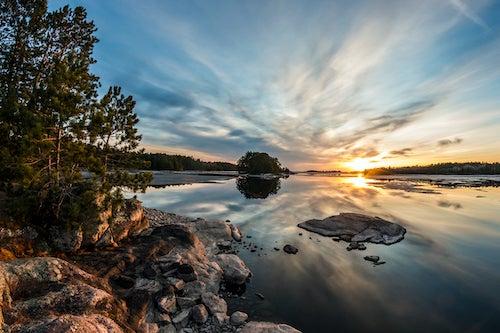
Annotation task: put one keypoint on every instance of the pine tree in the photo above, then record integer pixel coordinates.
(51, 124)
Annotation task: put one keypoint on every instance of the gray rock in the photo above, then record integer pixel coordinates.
(199, 314)
(234, 269)
(361, 228)
(238, 318)
(186, 302)
(236, 233)
(152, 286)
(181, 319)
(187, 273)
(265, 327)
(178, 284)
(220, 318)
(167, 301)
(290, 249)
(63, 240)
(214, 303)
(372, 258)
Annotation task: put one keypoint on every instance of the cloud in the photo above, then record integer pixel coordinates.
(402, 152)
(447, 142)
(465, 10)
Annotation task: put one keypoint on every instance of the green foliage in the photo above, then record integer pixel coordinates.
(51, 124)
(178, 162)
(470, 168)
(257, 163)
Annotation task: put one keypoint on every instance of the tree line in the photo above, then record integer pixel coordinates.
(53, 124)
(160, 161)
(469, 168)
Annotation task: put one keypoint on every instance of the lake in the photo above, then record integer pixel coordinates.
(444, 276)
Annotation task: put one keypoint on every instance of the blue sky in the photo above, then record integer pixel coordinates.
(318, 84)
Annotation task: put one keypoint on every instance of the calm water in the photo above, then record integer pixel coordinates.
(443, 277)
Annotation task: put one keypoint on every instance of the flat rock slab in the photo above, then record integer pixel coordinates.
(359, 227)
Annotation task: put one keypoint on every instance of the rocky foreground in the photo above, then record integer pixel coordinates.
(162, 273)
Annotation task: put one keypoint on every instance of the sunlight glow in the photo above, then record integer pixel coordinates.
(359, 164)
(358, 181)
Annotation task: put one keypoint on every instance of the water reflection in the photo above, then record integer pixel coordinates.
(440, 278)
(258, 188)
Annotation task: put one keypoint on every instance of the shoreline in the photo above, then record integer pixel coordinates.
(167, 277)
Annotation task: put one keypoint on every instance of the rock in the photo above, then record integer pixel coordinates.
(259, 295)
(359, 227)
(265, 327)
(214, 303)
(181, 319)
(166, 301)
(50, 295)
(233, 268)
(236, 233)
(151, 286)
(361, 247)
(194, 289)
(372, 258)
(199, 314)
(290, 249)
(238, 318)
(220, 318)
(93, 323)
(224, 245)
(63, 240)
(187, 273)
(186, 302)
(167, 329)
(129, 220)
(352, 246)
(178, 284)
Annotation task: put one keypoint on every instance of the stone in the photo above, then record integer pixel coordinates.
(361, 247)
(236, 233)
(166, 301)
(194, 289)
(359, 227)
(199, 314)
(259, 295)
(233, 268)
(187, 273)
(178, 284)
(214, 303)
(372, 258)
(151, 286)
(265, 327)
(220, 318)
(186, 302)
(238, 318)
(224, 245)
(352, 246)
(167, 329)
(90, 323)
(66, 241)
(290, 249)
(181, 319)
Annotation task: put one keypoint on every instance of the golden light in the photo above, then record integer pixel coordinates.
(358, 181)
(359, 164)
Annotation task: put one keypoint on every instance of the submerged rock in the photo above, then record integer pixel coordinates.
(357, 228)
(290, 249)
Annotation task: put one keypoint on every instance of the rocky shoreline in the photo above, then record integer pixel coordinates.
(165, 275)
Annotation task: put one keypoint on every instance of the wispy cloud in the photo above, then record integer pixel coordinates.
(323, 82)
(447, 142)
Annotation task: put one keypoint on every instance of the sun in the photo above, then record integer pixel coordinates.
(358, 164)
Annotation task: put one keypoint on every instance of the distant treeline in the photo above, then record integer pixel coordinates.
(179, 163)
(470, 168)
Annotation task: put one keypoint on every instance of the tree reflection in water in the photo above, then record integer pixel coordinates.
(258, 188)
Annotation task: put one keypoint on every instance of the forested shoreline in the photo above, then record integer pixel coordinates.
(161, 161)
(469, 168)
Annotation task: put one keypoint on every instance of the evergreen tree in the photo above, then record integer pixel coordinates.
(51, 125)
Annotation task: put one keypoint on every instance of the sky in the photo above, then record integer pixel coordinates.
(323, 85)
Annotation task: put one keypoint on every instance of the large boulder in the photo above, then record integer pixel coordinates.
(265, 327)
(357, 227)
(234, 269)
(50, 294)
